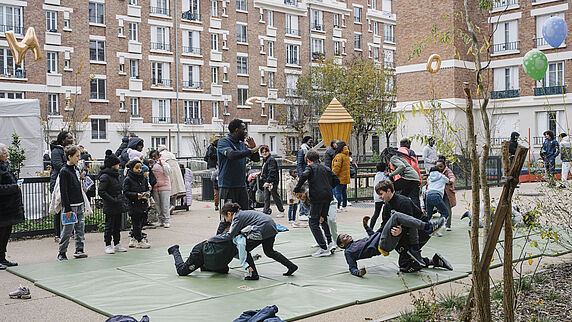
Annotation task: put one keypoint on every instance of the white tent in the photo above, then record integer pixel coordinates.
(22, 116)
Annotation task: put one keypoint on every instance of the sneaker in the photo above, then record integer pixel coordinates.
(119, 249)
(62, 257)
(439, 234)
(316, 245)
(3, 267)
(171, 209)
(332, 247)
(280, 214)
(291, 270)
(109, 249)
(349, 204)
(161, 224)
(166, 225)
(79, 254)
(435, 226)
(448, 229)
(303, 218)
(440, 261)
(416, 256)
(8, 263)
(466, 215)
(216, 208)
(322, 252)
(291, 222)
(132, 243)
(21, 293)
(143, 244)
(171, 249)
(252, 278)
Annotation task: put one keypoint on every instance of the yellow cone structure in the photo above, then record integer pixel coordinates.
(335, 123)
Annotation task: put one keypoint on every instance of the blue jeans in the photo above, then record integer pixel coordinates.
(77, 229)
(292, 212)
(303, 211)
(341, 194)
(434, 200)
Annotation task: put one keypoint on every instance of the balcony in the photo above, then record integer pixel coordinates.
(551, 90)
(17, 29)
(509, 93)
(191, 50)
(293, 3)
(502, 4)
(193, 120)
(538, 140)
(293, 61)
(389, 38)
(16, 73)
(160, 82)
(160, 11)
(389, 65)
(161, 120)
(292, 32)
(507, 46)
(192, 84)
(190, 16)
(499, 141)
(135, 84)
(317, 27)
(318, 56)
(291, 92)
(160, 46)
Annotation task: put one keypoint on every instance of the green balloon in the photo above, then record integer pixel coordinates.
(535, 64)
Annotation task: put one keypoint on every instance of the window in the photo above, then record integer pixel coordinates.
(540, 20)
(160, 38)
(389, 33)
(121, 68)
(241, 34)
(241, 5)
(505, 36)
(133, 2)
(270, 48)
(192, 112)
(214, 75)
(98, 129)
(317, 46)
(272, 143)
(337, 48)
(292, 54)
(376, 53)
(133, 31)
(53, 107)
(292, 25)
(386, 5)
(192, 76)
(225, 75)
(505, 78)
(242, 65)
(12, 95)
(270, 18)
(66, 24)
(121, 32)
(134, 106)
(191, 43)
(214, 42)
(291, 84)
(293, 143)
(376, 28)
(373, 4)
(67, 64)
(52, 60)
(214, 8)
(242, 96)
(97, 13)
(134, 68)
(11, 18)
(97, 89)
(554, 76)
(215, 108)
(161, 111)
(52, 21)
(160, 74)
(158, 140)
(97, 50)
(160, 7)
(357, 41)
(271, 113)
(317, 17)
(357, 14)
(270, 79)
(337, 19)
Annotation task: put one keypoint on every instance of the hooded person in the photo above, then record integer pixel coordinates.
(123, 146)
(57, 162)
(135, 143)
(110, 191)
(330, 154)
(513, 144)
(566, 156)
(176, 177)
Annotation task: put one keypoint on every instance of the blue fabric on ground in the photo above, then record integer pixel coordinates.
(267, 314)
(281, 228)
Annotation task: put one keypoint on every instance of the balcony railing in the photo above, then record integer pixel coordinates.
(191, 50)
(317, 27)
(318, 55)
(389, 38)
(193, 120)
(293, 3)
(189, 15)
(504, 94)
(538, 140)
(294, 32)
(161, 82)
(160, 46)
(504, 3)
(389, 64)
(161, 120)
(17, 30)
(337, 52)
(193, 84)
(293, 61)
(160, 11)
(13, 73)
(551, 90)
(507, 46)
(291, 92)
(337, 25)
(539, 42)
(499, 141)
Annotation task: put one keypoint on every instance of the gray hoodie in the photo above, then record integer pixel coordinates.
(262, 225)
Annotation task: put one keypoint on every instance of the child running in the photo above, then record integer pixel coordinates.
(110, 191)
(291, 182)
(435, 191)
(381, 174)
(321, 180)
(136, 189)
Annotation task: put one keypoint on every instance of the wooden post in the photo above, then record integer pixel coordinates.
(508, 285)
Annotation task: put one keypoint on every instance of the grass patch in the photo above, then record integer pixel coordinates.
(451, 301)
(553, 296)
(411, 316)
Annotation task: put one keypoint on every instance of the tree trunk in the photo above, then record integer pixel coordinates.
(364, 141)
(508, 285)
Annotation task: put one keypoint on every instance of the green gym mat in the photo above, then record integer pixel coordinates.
(144, 282)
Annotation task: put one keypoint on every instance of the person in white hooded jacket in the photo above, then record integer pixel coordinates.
(435, 190)
(566, 155)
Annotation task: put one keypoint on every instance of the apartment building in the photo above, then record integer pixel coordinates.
(518, 103)
(176, 72)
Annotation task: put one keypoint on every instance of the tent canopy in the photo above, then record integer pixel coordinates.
(335, 123)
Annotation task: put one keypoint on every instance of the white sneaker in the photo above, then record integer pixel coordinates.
(291, 222)
(349, 203)
(143, 244)
(167, 225)
(120, 249)
(109, 249)
(322, 253)
(303, 218)
(280, 214)
(439, 234)
(132, 243)
(316, 245)
(332, 247)
(448, 229)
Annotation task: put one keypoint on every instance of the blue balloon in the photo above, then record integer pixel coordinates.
(554, 31)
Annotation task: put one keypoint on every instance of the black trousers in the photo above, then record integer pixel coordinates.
(58, 224)
(137, 221)
(238, 195)
(112, 228)
(277, 200)
(320, 210)
(268, 248)
(408, 188)
(376, 212)
(195, 259)
(4, 236)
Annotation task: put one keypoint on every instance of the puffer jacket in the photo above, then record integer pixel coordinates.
(329, 157)
(290, 185)
(124, 158)
(402, 169)
(550, 149)
(58, 161)
(10, 198)
(133, 184)
(566, 150)
(109, 190)
(270, 171)
(341, 165)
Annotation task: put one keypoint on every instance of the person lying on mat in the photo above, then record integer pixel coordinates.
(206, 256)
(383, 241)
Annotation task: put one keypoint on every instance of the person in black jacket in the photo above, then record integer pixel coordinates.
(211, 159)
(135, 143)
(58, 161)
(330, 154)
(72, 202)
(137, 190)
(122, 146)
(110, 191)
(12, 212)
(270, 176)
(321, 181)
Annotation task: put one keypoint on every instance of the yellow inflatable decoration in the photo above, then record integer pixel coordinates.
(335, 123)
(433, 58)
(19, 49)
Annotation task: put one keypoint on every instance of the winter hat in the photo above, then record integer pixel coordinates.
(110, 159)
(134, 154)
(306, 139)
